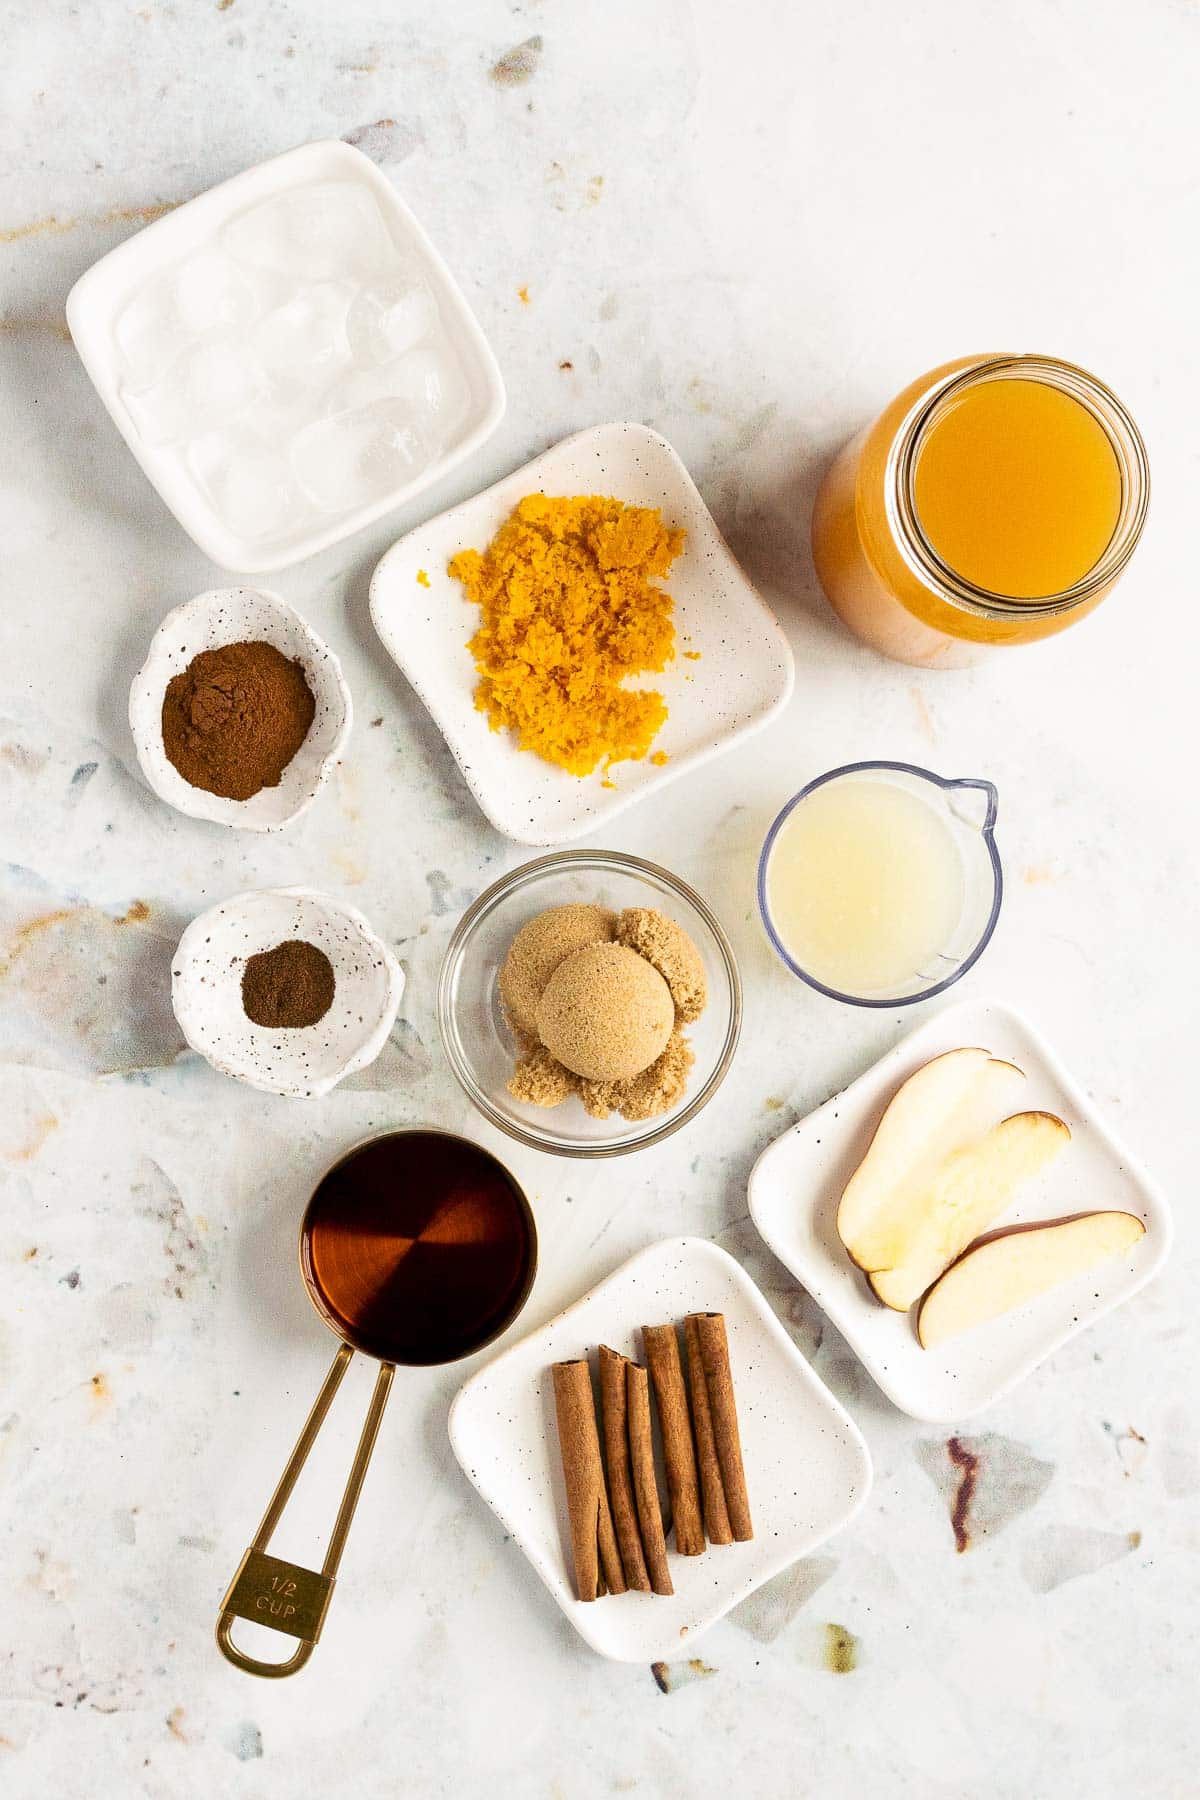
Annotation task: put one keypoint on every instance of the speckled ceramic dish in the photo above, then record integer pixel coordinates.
(230, 616)
(798, 1180)
(743, 676)
(474, 1030)
(206, 991)
(807, 1468)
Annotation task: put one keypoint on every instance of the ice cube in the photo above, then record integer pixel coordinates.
(303, 342)
(352, 458)
(285, 411)
(206, 293)
(212, 293)
(249, 485)
(428, 383)
(148, 330)
(432, 381)
(391, 317)
(325, 230)
(210, 382)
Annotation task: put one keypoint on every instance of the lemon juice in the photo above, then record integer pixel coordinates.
(865, 885)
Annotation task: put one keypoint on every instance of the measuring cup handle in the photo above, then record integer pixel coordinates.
(253, 1665)
(283, 1595)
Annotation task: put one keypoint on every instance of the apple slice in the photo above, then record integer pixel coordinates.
(964, 1196)
(1017, 1265)
(939, 1109)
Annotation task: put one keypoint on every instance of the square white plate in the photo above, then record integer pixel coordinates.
(97, 298)
(807, 1467)
(798, 1180)
(743, 678)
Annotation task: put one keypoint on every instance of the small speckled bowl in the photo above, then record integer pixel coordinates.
(206, 991)
(232, 616)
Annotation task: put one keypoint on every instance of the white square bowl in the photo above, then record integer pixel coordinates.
(742, 679)
(798, 1180)
(97, 298)
(807, 1468)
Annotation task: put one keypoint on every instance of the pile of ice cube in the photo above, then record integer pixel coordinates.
(298, 366)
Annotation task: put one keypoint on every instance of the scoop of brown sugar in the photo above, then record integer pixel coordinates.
(537, 950)
(606, 1013)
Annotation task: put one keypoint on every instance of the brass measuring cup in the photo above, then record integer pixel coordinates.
(397, 1246)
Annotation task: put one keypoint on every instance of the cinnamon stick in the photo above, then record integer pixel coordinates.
(716, 1513)
(712, 1344)
(666, 1372)
(613, 1408)
(645, 1487)
(593, 1541)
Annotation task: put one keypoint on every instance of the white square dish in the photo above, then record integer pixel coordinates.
(798, 1180)
(807, 1468)
(96, 307)
(742, 679)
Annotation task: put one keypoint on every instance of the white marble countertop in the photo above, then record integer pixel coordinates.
(747, 226)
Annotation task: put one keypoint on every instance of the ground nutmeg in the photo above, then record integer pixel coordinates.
(288, 987)
(235, 717)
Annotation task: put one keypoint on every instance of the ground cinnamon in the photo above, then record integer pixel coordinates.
(235, 717)
(288, 987)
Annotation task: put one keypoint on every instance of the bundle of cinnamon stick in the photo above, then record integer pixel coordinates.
(618, 1537)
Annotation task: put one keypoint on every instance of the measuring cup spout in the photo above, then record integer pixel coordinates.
(283, 1595)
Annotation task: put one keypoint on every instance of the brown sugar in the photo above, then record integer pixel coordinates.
(289, 987)
(666, 945)
(536, 951)
(541, 1080)
(235, 717)
(606, 1013)
(656, 1090)
(602, 1018)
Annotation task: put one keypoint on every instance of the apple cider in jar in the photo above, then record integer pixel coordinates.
(995, 501)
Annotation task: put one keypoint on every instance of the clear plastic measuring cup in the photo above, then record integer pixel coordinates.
(880, 884)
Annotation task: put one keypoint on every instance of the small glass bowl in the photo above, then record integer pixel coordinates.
(968, 806)
(471, 1018)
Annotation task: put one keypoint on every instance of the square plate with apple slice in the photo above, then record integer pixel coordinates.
(798, 1181)
(807, 1468)
(731, 675)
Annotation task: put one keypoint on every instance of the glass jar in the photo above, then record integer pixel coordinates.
(878, 560)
